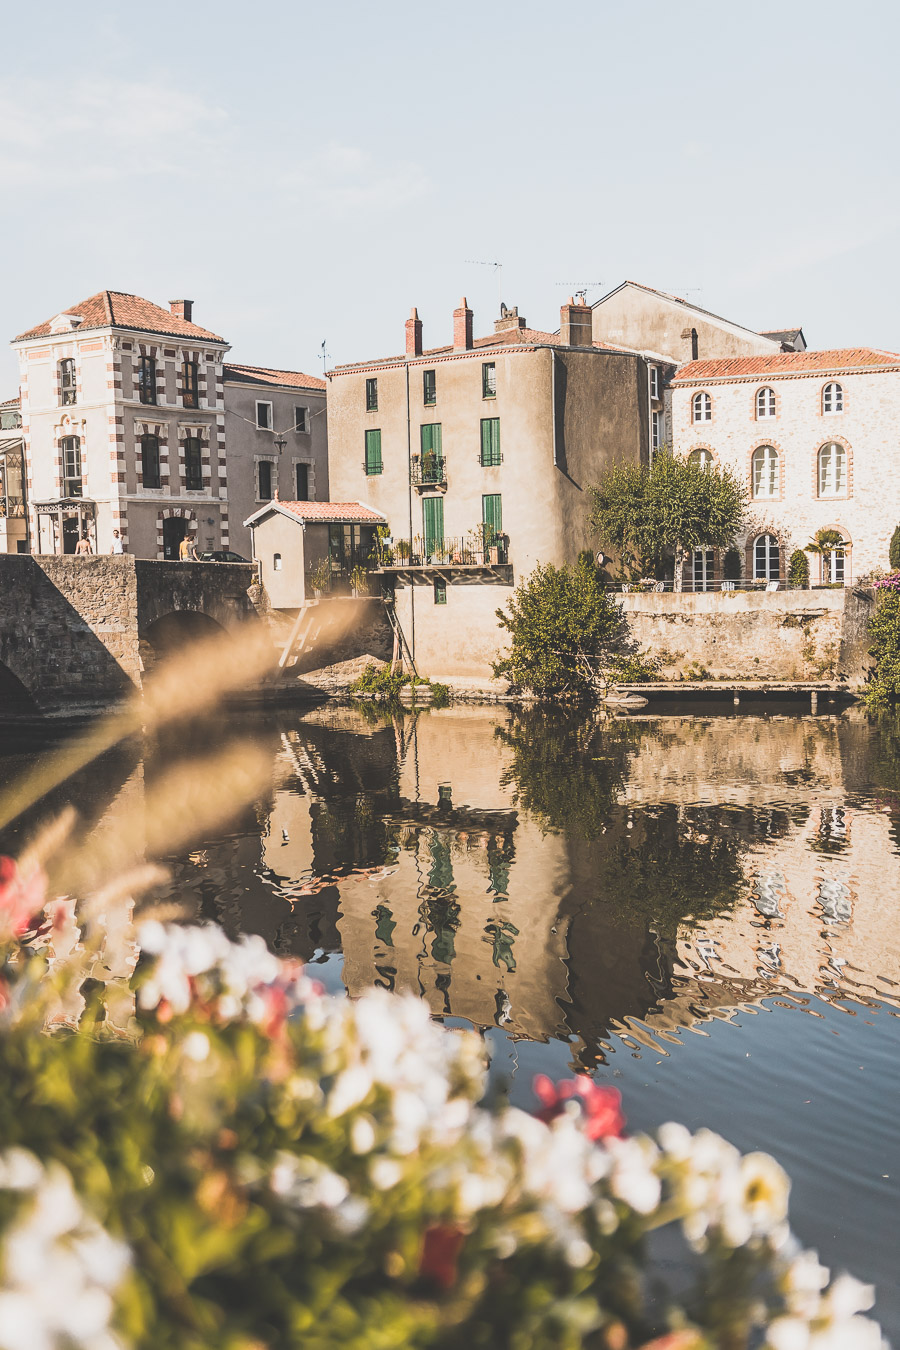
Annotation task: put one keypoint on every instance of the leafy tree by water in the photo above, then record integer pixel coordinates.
(884, 629)
(562, 623)
(650, 513)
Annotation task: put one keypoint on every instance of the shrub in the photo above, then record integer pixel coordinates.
(894, 551)
(247, 1161)
(884, 629)
(732, 567)
(798, 568)
(380, 680)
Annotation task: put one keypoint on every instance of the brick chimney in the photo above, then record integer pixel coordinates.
(182, 309)
(509, 318)
(413, 333)
(575, 324)
(462, 327)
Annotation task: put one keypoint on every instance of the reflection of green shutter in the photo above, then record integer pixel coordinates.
(492, 515)
(373, 452)
(431, 438)
(490, 440)
(433, 515)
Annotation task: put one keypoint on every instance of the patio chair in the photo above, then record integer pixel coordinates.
(772, 585)
(660, 586)
(727, 585)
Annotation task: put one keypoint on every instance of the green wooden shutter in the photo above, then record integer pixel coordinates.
(490, 440)
(373, 452)
(433, 517)
(431, 438)
(492, 515)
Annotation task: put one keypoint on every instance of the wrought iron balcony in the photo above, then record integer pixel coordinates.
(474, 550)
(428, 471)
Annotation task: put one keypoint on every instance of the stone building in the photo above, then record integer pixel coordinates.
(13, 520)
(813, 436)
(479, 453)
(132, 422)
(650, 320)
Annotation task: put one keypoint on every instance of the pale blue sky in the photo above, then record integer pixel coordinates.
(311, 171)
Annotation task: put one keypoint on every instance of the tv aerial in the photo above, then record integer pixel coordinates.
(498, 268)
(579, 289)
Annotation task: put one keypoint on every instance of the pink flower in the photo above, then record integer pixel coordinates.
(601, 1107)
(21, 898)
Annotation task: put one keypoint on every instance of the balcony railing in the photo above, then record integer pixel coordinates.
(471, 551)
(431, 471)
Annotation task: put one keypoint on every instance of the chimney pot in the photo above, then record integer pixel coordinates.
(182, 309)
(413, 333)
(576, 326)
(462, 327)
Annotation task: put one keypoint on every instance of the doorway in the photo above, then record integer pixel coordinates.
(174, 530)
(70, 533)
(704, 569)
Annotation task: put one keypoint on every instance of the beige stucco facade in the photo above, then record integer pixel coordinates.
(652, 321)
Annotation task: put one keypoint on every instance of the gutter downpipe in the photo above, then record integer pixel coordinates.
(553, 401)
(412, 584)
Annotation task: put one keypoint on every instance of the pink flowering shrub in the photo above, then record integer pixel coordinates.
(244, 1162)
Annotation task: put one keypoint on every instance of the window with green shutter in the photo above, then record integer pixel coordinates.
(490, 440)
(429, 386)
(373, 452)
(433, 521)
(492, 516)
(488, 380)
(440, 591)
(430, 435)
(371, 395)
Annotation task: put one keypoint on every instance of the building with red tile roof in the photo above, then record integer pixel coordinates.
(836, 362)
(290, 379)
(118, 309)
(334, 538)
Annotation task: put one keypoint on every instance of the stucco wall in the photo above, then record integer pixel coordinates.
(746, 635)
(649, 322)
(456, 642)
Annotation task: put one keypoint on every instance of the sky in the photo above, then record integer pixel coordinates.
(307, 173)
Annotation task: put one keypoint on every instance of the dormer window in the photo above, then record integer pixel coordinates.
(832, 398)
(65, 323)
(701, 408)
(67, 381)
(765, 403)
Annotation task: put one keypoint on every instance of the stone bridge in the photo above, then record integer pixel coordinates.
(77, 633)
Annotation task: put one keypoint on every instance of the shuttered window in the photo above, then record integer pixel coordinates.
(429, 386)
(490, 440)
(489, 380)
(373, 452)
(431, 438)
(433, 521)
(492, 516)
(371, 395)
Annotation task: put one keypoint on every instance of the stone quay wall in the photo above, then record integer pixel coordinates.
(751, 635)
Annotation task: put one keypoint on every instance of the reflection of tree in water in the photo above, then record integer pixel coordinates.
(350, 834)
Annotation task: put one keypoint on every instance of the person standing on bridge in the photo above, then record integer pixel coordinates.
(83, 546)
(117, 545)
(187, 550)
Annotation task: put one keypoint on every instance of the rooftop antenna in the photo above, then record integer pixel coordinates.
(579, 289)
(324, 356)
(498, 268)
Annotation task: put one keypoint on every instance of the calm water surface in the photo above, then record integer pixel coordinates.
(701, 910)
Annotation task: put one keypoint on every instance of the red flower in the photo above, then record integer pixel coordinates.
(21, 897)
(601, 1107)
(441, 1246)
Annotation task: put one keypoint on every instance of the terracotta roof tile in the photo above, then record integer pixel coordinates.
(10, 402)
(265, 375)
(332, 511)
(509, 337)
(117, 309)
(786, 363)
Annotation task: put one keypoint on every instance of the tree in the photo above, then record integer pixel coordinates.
(798, 568)
(650, 513)
(562, 622)
(824, 542)
(894, 554)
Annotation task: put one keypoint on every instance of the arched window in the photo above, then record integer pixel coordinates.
(765, 471)
(832, 398)
(765, 402)
(70, 446)
(702, 458)
(150, 461)
(832, 470)
(701, 405)
(67, 380)
(766, 558)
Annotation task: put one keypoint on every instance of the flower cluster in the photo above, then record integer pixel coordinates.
(59, 1270)
(889, 583)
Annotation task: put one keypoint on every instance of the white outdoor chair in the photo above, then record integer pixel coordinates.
(660, 586)
(626, 588)
(727, 585)
(772, 585)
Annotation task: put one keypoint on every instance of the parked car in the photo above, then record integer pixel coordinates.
(222, 555)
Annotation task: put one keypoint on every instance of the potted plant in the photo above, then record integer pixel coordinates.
(320, 577)
(359, 581)
(403, 550)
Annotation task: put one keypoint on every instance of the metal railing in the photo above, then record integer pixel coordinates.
(430, 471)
(689, 586)
(473, 550)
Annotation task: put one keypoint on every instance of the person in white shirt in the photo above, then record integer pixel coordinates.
(117, 545)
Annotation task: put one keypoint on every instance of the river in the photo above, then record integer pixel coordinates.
(700, 910)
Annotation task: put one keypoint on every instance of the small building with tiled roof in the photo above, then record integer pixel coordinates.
(306, 547)
(812, 436)
(479, 452)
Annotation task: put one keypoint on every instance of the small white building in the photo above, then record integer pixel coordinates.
(814, 435)
(302, 547)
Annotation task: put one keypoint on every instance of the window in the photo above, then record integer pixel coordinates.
(371, 395)
(655, 430)
(489, 380)
(765, 472)
(193, 469)
(834, 566)
(490, 441)
(832, 470)
(263, 416)
(301, 419)
(373, 452)
(276, 562)
(832, 398)
(433, 524)
(189, 395)
(703, 569)
(150, 461)
(492, 517)
(430, 439)
(702, 458)
(429, 386)
(765, 402)
(264, 480)
(146, 379)
(654, 381)
(71, 466)
(67, 381)
(302, 477)
(701, 408)
(766, 558)
(440, 591)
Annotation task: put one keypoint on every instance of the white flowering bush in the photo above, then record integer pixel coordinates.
(249, 1163)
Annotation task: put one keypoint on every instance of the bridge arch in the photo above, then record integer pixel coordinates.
(16, 698)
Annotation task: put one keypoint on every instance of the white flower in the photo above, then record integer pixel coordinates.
(634, 1179)
(196, 1046)
(362, 1135)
